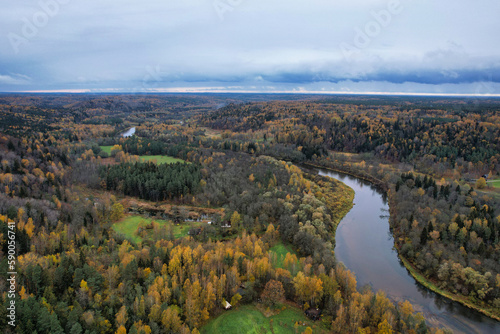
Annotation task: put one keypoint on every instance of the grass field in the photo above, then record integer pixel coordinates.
(128, 226)
(106, 149)
(492, 188)
(248, 319)
(281, 250)
(161, 159)
(494, 183)
(211, 133)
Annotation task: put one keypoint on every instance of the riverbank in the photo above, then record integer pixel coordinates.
(487, 311)
(431, 286)
(129, 133)
(339, 197)
(365, 177)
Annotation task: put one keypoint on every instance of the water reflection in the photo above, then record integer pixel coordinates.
(128, 133)
(365, 245)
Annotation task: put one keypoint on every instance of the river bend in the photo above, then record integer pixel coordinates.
(364, 243)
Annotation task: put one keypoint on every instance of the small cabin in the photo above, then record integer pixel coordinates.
(313, 313)
(227, 306)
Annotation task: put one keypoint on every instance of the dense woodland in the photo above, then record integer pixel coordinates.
(77, 275)
(451, 139)
(447, 230)
(150, 181)
(451, 235)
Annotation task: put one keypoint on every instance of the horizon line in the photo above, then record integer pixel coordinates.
(225, 91)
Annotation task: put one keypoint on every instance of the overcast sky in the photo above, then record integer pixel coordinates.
(408, 46)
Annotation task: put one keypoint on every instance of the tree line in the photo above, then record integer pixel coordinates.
(155, 182)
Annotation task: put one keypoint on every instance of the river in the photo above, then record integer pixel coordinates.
(364, 243)
(128, 133)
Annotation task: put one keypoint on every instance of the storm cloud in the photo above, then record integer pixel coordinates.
(445, 47)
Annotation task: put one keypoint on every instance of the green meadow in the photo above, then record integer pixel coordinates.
(494, 183)
(128, 227)
(106, 149)
(248, 319)
(159, 159)
(281, 250)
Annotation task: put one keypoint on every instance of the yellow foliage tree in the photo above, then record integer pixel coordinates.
(384, 328)
(481, 183)
(121, 330)
(235, 220)
(116, 212)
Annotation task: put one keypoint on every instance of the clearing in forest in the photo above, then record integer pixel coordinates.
(494, 183)
(280, 250)
(130, 225)
(159, 159)
(248, 319)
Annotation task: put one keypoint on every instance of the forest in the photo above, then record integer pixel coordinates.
(395, 133)
(446, 229)
(66, 194)
(150, 181)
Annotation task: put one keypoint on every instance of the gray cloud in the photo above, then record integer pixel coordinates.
(13, 79)
(444, 46)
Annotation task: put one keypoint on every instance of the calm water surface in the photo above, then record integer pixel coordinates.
(129, 132)
(364, 244)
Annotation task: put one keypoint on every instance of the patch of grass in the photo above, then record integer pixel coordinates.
(128, 226)
(494, 184)
(248, 319)
(492, 188)
(161, 159)
(106, 149)
(281, 250)
(211, 133)
(181, 231)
